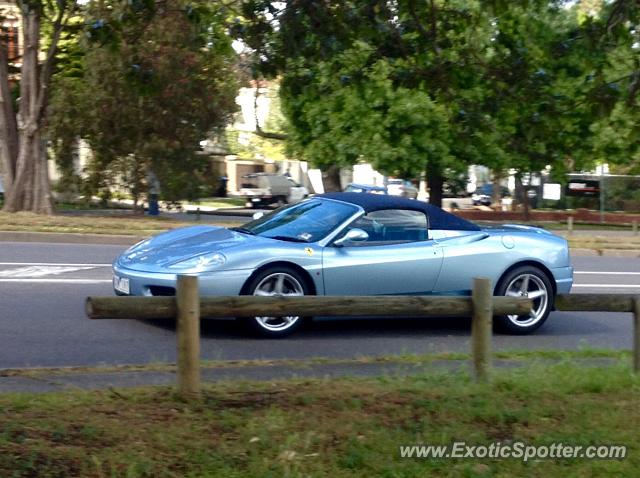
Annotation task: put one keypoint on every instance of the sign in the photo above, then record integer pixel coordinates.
(551, 191)
(583, 187)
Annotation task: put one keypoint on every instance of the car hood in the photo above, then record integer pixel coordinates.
(159, 252)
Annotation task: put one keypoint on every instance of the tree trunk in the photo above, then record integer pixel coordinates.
(23, 150)
(521, 196)
(435, 183)
(496, 192)
(331, 179)
(8, 126)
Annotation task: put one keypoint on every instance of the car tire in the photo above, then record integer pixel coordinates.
(525, 281)
(275, 281)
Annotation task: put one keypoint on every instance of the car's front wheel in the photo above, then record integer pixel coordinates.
(276, 281)
(531, 282)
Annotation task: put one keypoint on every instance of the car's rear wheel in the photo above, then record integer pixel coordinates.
(276, 281)
(531, 282)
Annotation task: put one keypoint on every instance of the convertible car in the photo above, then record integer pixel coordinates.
(353, 244)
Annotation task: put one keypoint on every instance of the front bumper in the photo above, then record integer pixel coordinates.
(210, 283)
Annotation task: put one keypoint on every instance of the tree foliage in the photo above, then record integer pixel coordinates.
(412, 85)
(156, 79)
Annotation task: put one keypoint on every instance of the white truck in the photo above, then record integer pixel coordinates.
(262, 189)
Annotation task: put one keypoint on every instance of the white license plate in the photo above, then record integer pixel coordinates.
(121, 284)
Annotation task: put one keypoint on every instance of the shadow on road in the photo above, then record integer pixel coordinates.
(558, 324)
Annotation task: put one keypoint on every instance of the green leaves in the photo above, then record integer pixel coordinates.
(151, 90)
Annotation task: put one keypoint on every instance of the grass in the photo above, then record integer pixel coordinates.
(601, 242)
(129, 224)
(124, 224)
(325, 427)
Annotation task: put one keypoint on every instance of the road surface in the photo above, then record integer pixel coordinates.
(42, 321)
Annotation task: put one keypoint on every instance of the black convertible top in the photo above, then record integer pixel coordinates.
(438, 219)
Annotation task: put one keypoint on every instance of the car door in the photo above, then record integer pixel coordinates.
(397, 258)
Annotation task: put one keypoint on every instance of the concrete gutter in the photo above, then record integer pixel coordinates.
(68, 238)
(50, 381)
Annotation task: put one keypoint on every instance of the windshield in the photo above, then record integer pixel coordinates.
(308, 221)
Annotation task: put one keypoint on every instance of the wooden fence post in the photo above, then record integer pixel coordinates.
(570, 224)
(636, 334)
(482, 300)
(188, 331)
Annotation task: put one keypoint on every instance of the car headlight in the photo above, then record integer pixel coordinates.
(200, 263)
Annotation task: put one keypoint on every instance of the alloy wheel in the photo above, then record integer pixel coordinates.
(534, 288)
(279, 284)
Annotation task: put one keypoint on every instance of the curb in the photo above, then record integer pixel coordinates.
(225, 212)
(92, 380)
(69, 238)
(124, 240)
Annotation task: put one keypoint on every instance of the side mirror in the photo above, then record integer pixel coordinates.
(352, 235)
(257, 215)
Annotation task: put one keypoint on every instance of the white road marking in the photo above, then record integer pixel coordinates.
(40, 271)
(53, 264)
(608, 273)
(61, 281)
(609, 286)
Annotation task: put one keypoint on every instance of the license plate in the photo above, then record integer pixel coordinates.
(121, 284)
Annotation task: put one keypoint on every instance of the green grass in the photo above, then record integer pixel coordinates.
(325, 427)
(124, 224)
(142, 226)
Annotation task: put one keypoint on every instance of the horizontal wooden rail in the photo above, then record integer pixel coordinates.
(326, 306)
(596, 302)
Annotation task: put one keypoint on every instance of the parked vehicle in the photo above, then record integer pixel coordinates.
(402, 187)
(263, 189)
(365, 188)
(297, 192)
(483, 195)
(353, 244)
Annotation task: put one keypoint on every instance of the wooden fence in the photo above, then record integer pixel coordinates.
(187, 307)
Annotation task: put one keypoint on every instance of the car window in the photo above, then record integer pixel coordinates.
(308, 221)
(391, 226)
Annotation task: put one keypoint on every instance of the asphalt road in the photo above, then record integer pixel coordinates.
(42, 322)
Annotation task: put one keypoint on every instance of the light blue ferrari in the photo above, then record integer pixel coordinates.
(353, 244)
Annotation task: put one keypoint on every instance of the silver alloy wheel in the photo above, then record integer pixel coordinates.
(278, 284)
(533, 287)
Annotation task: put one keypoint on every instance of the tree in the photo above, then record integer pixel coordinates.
(156, 80)
(22, 147)
(436, 85)
(397, 84)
